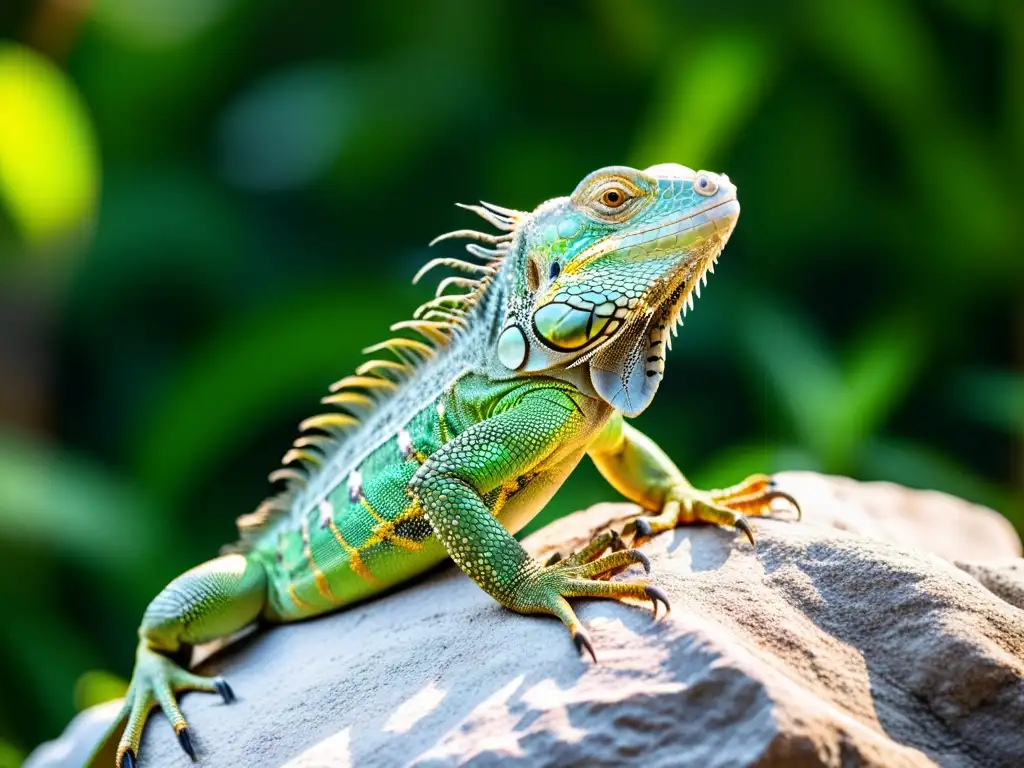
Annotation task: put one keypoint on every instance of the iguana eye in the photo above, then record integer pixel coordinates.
(613, 197)
(555, 270)
(705, 185)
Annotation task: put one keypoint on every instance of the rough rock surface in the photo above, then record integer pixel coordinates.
(853, 638)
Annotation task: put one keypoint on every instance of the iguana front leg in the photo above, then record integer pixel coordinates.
(637, 468)
(450, 487)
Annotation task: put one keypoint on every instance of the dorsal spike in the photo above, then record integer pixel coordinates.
(472, 234)
(272, 504)
(399, 343)
(329, 421)
(510, 213)
(296, 454)
(489, 254)
(356, 399)
(436, 332)
(447, 317)
(496, 220)
(321, 442)
(459, 282)
(364, 382)
(287, 474)
(450, 302)
(254, 519)
(382, 365)
(460, 264)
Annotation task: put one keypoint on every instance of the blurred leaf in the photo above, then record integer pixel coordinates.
(972, 12)
(97, 686)
(919, 466)
(159, 23)
(44, 135)
(45, 655)
(171, 223)
(880, 369)
(886, 51)
(711, 89)
(995, 398)
(9, 756)
(242, 377)
(60, 503)
(806, 382)
(884, 47)
(733, 464)
(833, 411)
(288, 129)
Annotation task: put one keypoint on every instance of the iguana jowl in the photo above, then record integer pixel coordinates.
(558, 332)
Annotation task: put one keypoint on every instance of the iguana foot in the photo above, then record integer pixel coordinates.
(579, 575)
(600, 544)
(726, 506)
(155, 682)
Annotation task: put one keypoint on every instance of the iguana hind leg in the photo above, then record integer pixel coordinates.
(212, 600)
(641, 471)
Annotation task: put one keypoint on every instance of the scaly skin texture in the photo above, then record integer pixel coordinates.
(450, 448)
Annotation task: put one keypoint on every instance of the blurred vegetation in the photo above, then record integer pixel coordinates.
(207, 207)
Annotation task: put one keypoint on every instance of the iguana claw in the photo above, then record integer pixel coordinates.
(656, 594)
(185, 740)
(582, 642)
(225, 691)
(741, 524)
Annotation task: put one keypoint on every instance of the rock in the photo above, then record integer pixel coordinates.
(929, 520)
(841, 641)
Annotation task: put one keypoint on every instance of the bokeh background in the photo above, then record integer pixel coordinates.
(207, 207)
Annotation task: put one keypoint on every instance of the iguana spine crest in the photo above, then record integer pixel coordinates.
(439, 322)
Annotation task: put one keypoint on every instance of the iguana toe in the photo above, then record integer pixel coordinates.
(546, 590)
(731, 506)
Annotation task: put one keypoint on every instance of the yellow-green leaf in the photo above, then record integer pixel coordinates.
(48, 166)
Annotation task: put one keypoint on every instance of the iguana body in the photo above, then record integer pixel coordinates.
(453, 446)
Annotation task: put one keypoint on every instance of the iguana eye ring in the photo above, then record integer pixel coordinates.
(705, 185)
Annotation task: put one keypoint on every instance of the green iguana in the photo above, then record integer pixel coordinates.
(445, 451)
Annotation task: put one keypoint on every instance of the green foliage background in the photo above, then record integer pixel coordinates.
(220, 202)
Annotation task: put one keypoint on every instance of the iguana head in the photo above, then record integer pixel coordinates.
(599, 278)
